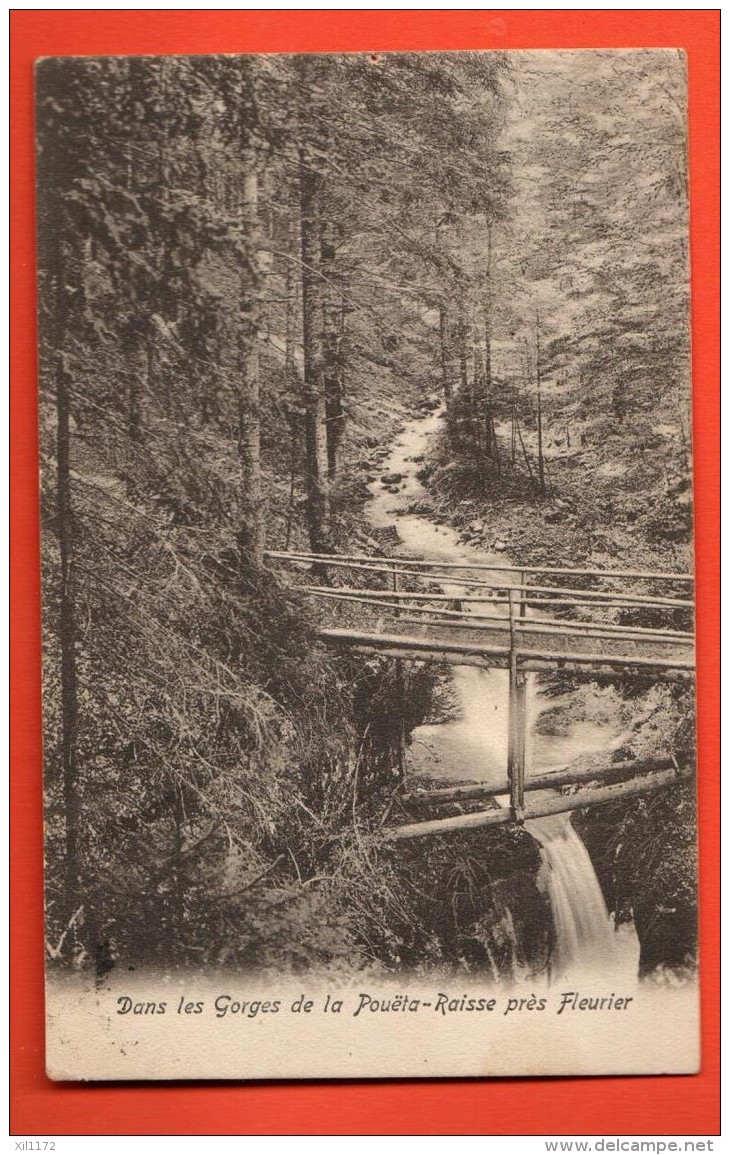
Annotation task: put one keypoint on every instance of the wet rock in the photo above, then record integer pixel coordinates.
(668, 936)
(386, 536)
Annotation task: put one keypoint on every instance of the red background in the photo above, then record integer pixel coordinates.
(649, 1105)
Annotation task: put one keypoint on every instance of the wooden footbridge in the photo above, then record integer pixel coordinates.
(598, 624)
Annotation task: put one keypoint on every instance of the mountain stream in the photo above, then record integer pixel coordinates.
(474, 746)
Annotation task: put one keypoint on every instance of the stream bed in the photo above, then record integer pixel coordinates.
(473, 746)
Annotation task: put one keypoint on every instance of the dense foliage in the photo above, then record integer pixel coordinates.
(227, 325)
(590, 335)
(251, 268)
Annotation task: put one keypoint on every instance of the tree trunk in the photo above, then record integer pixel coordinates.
(58, 261)
(318, 505)
(251, 536)
(540, 458)
(488, 317)
(490, 434)
(292, 310)
(77, 891)
(463, 337)
(332, 349)
(67, 638)
(445, 358)
(479, 425)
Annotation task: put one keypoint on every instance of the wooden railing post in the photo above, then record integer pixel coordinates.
(401, 692)
(523, 594)
(522, 702)
(517, 722)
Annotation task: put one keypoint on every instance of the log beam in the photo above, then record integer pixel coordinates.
(546, 804)
(604, 774)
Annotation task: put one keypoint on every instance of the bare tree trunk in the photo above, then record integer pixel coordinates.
(292, 481)
(488, 316)
(57, 262)
(251, 536)
(332, 349)
(74, 887)
(445, 358)
(291, 321)
(478, 422)
(269, 272)
(318, 505)
(463, 336)
(490, 435)
(138, 340)
(540, 458)
(524, 452)
(292, 309)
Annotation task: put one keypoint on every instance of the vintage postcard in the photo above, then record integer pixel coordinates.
(367, 565)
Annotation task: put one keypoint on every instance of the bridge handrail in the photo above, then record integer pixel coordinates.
(473, 621)
(440, 578)
(389, 563)
(578, 597)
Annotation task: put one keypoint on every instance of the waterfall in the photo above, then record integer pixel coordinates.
(584, 936)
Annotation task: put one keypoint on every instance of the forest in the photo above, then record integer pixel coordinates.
(254, 272)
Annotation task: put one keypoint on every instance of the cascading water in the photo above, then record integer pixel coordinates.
(475, 745)
(584, 936)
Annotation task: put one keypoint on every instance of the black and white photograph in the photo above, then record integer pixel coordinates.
(368, 574)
